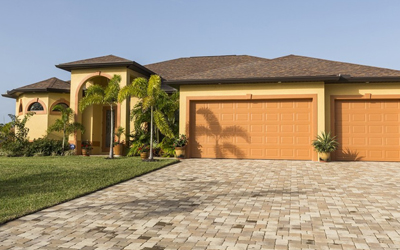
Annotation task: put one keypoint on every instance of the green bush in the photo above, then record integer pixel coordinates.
(45, 147)
(325, 143)
(167, 148)
(14, 148)
(138, 138)
(14, 136)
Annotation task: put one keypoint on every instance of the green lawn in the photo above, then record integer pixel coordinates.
(28, 184)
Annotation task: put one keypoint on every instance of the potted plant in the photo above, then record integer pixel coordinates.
(119, 145)
(325, 144)
(86, 147)
(180, 146)
(144, 151)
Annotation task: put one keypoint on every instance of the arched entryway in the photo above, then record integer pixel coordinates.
(96, 118)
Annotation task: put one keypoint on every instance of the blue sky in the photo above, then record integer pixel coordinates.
(36, 35)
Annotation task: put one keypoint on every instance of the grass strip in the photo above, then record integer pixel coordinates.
(29, 184)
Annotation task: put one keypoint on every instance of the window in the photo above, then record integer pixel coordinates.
(64, 105)
(20, 107)
(61, 102)
(36, 106)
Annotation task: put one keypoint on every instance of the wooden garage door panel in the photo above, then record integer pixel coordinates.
(257, 129)
(368, 130)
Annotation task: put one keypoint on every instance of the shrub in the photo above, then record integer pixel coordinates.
(45, 147)
(14, 136)
(181, 141)
(325, 143)
(167, 148)
(139, 138)
(15, 148)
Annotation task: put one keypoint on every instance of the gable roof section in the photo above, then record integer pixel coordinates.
(49, 85)
(104, 62)
(287, 68)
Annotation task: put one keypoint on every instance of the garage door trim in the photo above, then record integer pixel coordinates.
(367, 96)
(191, 99)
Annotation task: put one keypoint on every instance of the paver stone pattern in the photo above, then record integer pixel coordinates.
(227, 204)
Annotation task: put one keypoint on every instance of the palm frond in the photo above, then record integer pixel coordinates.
(148, 101)
(154, 86)
(138, 88)
(90, 100)
(112, 90)
(74, 127)
(57, 126)
(126, 92)
(162, 124)
(95, 89)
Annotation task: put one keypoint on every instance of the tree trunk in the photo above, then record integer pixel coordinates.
(151, 135)
(63, 142)
(111, 156)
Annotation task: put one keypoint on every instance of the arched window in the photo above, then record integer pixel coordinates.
(63, 104)
(36, 106)
(20, 108)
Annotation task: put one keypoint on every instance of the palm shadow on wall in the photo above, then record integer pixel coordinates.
(349, 155)
(214, 129)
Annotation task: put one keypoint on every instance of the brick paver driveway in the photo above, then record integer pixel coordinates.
(227, 204)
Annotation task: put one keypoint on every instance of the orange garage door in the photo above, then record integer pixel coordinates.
(368, 130)
(257, 129)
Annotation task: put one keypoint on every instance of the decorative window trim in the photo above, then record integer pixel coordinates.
(62, 100)
(20, 107)
(41, 112)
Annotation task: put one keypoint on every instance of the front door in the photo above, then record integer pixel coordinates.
(107, 128)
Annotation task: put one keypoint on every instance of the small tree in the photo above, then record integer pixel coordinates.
(96, 94)
(15, 140)
(148, 91)
(64, 124)
(6, 132)
(20, 131)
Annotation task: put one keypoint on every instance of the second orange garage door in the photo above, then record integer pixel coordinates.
(368, 130)
(256, 129)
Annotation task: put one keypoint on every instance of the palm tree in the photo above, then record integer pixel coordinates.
(64, 124)
(97, 94)
(149, 92)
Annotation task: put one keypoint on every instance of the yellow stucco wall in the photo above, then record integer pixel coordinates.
(311, 88)
(40, 122)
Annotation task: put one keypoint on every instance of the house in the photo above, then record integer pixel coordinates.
(242, 106)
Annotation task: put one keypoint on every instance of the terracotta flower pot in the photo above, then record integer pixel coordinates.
(144, 155)
(325, 156)
(180, 152)
(119, 149)
(85, 152)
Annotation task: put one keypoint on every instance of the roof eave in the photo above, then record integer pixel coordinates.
(253, 80)
(15, 93)
(132, 65)
(326, 79)
(9, 96)
(368, 79)
(68, 67)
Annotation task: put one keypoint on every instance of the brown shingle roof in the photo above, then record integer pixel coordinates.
(290, 66)
(50, 85)
(99, 60)
(105, 61)
(182, 67)
(314, 66)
